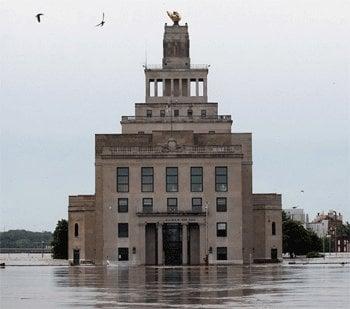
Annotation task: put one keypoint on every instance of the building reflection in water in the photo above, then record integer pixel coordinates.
(158, 286)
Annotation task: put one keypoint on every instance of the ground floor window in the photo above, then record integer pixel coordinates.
(123, 254)
(221, 253)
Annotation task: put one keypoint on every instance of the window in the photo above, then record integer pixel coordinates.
(76, 230)
(193, 87)
(189, 112)
(203, 113)
(162, 113)
(152, 88)
(273, 228)
(147, 205)
(221, 179)
(123, 230)
(172, 204)
(176, 113)
(221, 253)
(159, 87)
(201, 87)
(147, 179)
(196, 179)
(171, 179)
(149, 113)
(221, 204)
(123, 205)
(123, 254)
(221, 229)
(197, 204)
(122, 179)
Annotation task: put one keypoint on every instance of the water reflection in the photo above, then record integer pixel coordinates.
(188, 287)
(139, 286)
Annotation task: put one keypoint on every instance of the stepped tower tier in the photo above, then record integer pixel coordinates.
(176, 93)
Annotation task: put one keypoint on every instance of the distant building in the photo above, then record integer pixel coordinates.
(328, 225)
(297, 214)
(175, 187)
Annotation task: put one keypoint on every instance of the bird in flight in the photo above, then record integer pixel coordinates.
(102, 22)
(38, 16)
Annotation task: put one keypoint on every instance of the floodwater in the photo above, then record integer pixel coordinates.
(266, 286)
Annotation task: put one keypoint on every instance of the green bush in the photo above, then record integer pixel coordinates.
(313, 254)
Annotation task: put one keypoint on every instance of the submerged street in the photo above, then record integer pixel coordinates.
(265, 286)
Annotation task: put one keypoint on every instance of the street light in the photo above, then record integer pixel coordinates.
(206, 235)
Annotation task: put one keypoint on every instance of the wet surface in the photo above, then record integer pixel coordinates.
(278, 286)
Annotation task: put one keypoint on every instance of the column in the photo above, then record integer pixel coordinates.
(141, 249)
(163, 82)
(197, 88)
(202, 241)
(160, 243)
(180, 87)
(184, 244)
(205, 89)
(147, 88)
(155, 88)
(188, 87)
(171, 87)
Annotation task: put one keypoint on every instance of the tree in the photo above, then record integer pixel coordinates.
(24, 239)
(60, 240)
(297, 240)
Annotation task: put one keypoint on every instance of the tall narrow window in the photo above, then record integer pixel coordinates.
(76, 230)
(221, 204)
(221, 229)
(147, 179)
(123, 205)
(171, 179)
(159, 87)
(193, 88)
(273, 228)
(197, 204)
(123, 230)
(221, 179)
(201, 87)
(172, 204)
(149, 113)
(147, 205)
(122, 179)
(203, 113)
(176, 113)
(190, 112)
(151, 88)
(196, 179)
(162, 113)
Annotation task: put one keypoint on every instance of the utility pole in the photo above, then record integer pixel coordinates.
(206, 235)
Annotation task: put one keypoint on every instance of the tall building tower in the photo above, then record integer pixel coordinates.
(175, 187)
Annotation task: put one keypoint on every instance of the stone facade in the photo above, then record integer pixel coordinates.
(175, 187)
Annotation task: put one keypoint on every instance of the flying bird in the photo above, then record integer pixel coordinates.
(302, 191)
(102, 22)
(38, 16)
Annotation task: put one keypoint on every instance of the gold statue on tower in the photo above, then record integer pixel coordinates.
(174, 16)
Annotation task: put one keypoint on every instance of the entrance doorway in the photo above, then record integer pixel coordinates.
(76, 256)
(274, 254)
(172, 244)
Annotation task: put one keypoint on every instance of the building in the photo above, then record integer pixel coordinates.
(175, 187)
(330, 225)
(297, 214)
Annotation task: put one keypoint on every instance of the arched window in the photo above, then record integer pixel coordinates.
(76, 230)
(273, 227)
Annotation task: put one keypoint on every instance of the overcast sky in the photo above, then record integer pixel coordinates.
(281, 68)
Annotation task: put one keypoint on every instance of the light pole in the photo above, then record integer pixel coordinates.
(206, 235)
